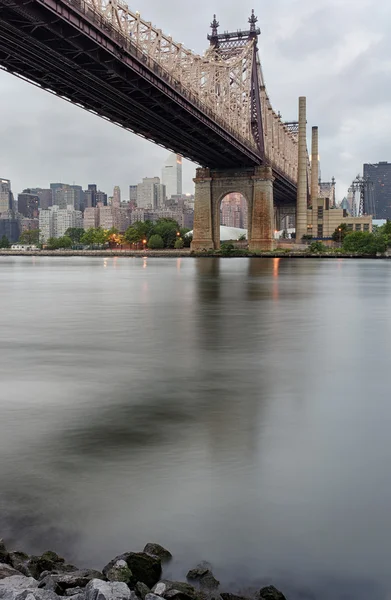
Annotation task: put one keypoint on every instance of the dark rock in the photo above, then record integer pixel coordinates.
(203, 575)
(144, 567)
(119, 572)
(61, 582)
(36, 595)
(151, 596)
(4, 555)
(175, 589)
(48, 561)
(108, 590)
(19, 560)
(141, 590)
(74, 591)
(7, 571)
(232, 597)
(157, 550)
(271, 593)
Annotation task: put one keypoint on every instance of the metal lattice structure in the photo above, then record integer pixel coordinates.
(227, 79)
(213, 109)
(363, 198)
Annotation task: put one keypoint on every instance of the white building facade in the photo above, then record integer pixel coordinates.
(172, 175)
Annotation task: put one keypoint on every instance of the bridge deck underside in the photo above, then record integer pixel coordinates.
(82, 63)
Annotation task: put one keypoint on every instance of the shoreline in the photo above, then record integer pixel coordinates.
(128, 576)
(184, 254)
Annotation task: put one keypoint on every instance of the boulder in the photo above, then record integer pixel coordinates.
(119, 572)
(144, 567)
(175, 589)
(48, 561)
(141, 590)
(61, 582)
(74, 591)
(19, 560)
(7, 571)
(37, 595)
(152, 597)
(157, 550)
(271, 593)
(108, 590)
(11, 587)
(4, 555)
(203, 575)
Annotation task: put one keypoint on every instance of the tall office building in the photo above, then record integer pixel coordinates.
(116, 201)
(5, 195)
(28, 205)
(172, 175)
(150, 193)
(54, 221)
(133, 193)
(380, 175)
(233, 211)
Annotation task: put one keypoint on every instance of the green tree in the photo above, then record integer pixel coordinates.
(100, 236)
(384, 230)
(179, 244)
(364, 242)
(155, 242)
(88, 237)
(139, 231)
(4, 242)
(340, 233)
(75, 233)
(167, 229)
(316, 247)
(242, 237)
(52, 243)
(30, 236)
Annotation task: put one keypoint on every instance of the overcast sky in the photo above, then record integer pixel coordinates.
(335, 52)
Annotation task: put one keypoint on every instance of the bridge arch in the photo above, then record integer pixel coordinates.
(233, 207)
(256, 185)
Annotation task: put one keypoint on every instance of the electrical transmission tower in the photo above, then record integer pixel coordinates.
(363, 197)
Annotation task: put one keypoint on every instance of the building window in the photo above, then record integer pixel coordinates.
(366, 226)
(358, 227)
(320, 231)
(350, 227)
(320, 212)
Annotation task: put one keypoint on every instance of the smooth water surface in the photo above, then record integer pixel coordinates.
(234, 410)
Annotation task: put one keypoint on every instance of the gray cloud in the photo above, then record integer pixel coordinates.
(334, 51)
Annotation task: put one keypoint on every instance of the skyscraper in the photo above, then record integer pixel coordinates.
(28, 204)
(116, 202)
(380, 175)
(150, 193)
(5, 195)
(172, 175)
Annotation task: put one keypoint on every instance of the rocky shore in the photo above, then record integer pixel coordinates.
(129, 576)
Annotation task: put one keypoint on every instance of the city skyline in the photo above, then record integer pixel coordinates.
(41, 129)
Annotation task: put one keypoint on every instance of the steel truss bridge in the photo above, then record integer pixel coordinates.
(212, 109)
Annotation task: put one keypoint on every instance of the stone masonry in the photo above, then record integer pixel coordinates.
(256, 185)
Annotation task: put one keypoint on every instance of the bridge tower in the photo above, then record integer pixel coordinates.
(254, 183)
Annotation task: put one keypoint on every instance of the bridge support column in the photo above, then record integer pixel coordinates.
(203, 214)
(261, 236)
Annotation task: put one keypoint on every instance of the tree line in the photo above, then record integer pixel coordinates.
(165, 233)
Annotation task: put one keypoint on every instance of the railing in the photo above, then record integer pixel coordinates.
(126, 44)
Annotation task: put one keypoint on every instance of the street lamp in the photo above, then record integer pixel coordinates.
(144, 242)
(340, 234)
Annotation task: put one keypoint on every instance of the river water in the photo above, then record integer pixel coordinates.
(234, 410)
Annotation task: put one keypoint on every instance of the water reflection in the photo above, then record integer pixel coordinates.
(204, 404)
